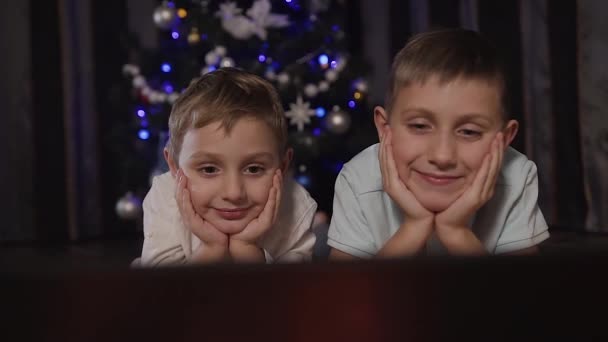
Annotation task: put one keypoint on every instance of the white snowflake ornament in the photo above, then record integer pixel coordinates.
(299, 113)
(228, 10)
(240, 27)
(257, 19)
(262, 18)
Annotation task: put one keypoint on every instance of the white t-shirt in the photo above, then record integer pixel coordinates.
(364, 216)
(168, 242)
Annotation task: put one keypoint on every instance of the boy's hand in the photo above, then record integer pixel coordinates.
(258, 226)
(395, 187)
(243, 246)
(457, 216)
(210, 236)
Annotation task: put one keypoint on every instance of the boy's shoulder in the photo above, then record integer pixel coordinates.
(515, 168)
(162, 189)
(363, 171)
(295, 192)
(164, 182)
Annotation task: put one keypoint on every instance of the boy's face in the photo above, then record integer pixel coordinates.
(230, 176)
(441, 133)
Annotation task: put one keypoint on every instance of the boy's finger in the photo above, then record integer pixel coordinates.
(382, 157)
(179, 186)
(498, 154)
(186, 208)
(391, 169)
(279, 189)
(179, 193)
(481, 176)
(266, 215)
(492, 172)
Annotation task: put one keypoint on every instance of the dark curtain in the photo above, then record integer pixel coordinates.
(16, 130)
(32, 132)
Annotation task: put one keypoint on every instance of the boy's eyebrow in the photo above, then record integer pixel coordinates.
(204, 155)
(210, 155)
(425, 112)
(257, 155)
(474, 116)
(429, 114)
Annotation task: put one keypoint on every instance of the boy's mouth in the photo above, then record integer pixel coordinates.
(437, 179)
(232, 213)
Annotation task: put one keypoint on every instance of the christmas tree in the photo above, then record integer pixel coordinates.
(300, 46)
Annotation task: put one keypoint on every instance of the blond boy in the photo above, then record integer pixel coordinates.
(225, 198)
(443, 179)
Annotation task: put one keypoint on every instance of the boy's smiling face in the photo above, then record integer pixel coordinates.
(230, 174)
(441, 133)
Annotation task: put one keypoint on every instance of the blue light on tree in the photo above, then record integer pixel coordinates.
(320, 112)
(304, 180)
(143, 134)
(323, 59)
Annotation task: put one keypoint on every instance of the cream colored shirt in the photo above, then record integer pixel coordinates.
(168, 242)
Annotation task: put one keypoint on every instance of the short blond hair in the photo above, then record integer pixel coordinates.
(448, 54)
(226, 95)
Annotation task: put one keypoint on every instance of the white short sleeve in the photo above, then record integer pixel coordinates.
(162, 243)
(525, 225)
(349, 231)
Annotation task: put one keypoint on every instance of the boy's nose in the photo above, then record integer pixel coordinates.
(442, 152)
(234, 189)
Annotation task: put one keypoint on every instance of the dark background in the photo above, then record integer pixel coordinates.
(61, 178)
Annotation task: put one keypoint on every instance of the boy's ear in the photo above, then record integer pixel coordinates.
(173, 167)
(510, 131)
(286, 160)
(381, 120)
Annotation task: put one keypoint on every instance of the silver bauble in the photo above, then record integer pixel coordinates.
(164, 16)
(337, 122)
(128, 207)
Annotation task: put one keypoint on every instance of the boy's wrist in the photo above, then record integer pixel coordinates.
(209, 253)
(460, 240)
(244, 251)
(409, 240)
(425, 223)
(420, 227)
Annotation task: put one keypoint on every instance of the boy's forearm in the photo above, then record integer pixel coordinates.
(461, 241)
(244, 252)
(209, 254)
(409, 240)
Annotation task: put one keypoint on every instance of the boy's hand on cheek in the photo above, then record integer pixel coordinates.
(248, 238)
(394, 186)
(210, 236)
(456, 218)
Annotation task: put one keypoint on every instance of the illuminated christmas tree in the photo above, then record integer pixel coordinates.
(300, 46)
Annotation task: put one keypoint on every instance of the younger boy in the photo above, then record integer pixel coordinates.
(442, 179)
(225, 198)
